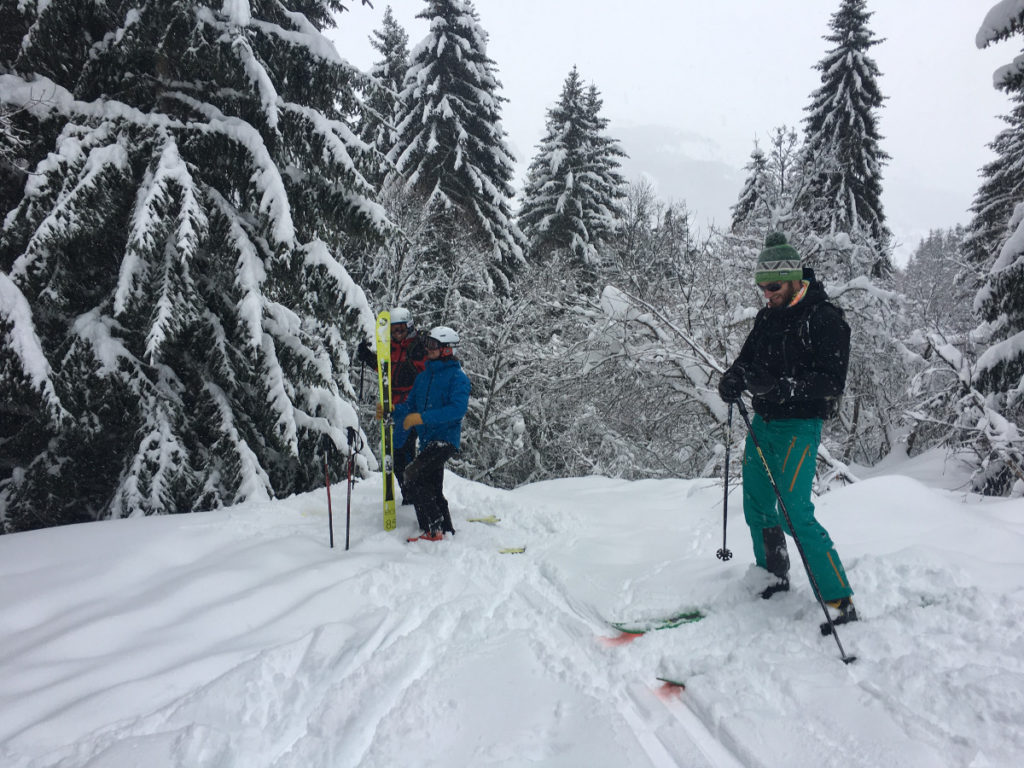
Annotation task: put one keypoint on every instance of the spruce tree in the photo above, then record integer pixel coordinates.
(1002, 187)
(379, 114)
(842, 141)
(168, 273)
(751, 198)
(1000, 368)
(574, 193)
(451, 151)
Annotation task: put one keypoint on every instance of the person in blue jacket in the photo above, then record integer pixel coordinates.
(435, 408)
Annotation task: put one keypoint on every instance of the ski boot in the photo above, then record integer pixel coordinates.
(841, 612)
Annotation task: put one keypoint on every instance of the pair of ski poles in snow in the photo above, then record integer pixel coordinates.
(725, 553)
(328, 445)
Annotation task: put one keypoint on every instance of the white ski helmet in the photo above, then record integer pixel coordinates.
(401, 316)
(444, 336)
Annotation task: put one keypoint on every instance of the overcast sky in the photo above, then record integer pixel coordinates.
(724, 74)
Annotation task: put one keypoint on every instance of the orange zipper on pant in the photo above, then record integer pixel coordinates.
(796, 473)
(833, 564)
(786, 460)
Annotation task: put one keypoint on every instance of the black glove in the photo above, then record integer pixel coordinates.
(762, 384)
(730, 386)
(365, 354)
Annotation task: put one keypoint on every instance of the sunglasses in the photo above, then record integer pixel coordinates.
(434, 344)
(769, 287)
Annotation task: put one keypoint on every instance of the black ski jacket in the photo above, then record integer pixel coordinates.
(806, 349)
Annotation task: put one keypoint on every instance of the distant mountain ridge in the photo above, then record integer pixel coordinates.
(682, 166)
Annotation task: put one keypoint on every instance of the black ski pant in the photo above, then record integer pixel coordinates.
(424, 479)
(404, 454)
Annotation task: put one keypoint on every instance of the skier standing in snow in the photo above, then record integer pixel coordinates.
(794, 365)
(435, 408)
(408, 359)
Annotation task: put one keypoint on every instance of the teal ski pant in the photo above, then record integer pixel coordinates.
(790, 448)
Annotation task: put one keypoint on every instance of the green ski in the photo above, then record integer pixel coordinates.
(387, 448)
(653, 625)
(512, 550)
(631, 630)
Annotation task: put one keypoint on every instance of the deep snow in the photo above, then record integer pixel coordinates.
(239, 639)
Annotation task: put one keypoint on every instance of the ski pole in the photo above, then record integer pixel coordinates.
(326, 442)
(725, 553)
(348, 501)
(785, 513)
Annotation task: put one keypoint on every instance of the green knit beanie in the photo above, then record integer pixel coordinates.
(778, 262)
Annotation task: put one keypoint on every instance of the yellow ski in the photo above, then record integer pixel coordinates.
(387, 431)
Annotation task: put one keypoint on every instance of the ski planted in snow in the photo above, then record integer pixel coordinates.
(489, 519)
(512, 550)
(387, 431)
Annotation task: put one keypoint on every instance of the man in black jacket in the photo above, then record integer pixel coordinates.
(794, 365)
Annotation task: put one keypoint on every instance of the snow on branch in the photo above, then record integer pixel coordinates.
(102, 166)
(306, 36)
(254, 483)
(250, 272)
(997, 440)
(1003, 20)
(698, 367)
(317, 255)
(160, 459)
(22, 339)
(267, 176)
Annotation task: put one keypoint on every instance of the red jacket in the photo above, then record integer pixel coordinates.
(408, 358)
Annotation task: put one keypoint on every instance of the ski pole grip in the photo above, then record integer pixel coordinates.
(326, 444)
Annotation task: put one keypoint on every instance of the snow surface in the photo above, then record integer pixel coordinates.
(239, 638)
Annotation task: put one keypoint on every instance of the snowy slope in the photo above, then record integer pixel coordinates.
(239, 639)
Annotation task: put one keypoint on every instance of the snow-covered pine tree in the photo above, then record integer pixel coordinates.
(1001, 189)
(609, 183)
(999, 374)
(574, 193)
(750, 199)
(846, 240)
(451, 150)
(379, 114)
(842, 142)
(168, 275)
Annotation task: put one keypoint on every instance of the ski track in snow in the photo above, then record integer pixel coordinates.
(238, 639)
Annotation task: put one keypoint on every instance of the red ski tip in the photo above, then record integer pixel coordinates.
(623, 638)
(670, 689)
(427, 537)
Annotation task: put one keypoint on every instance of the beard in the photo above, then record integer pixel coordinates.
(784, 295)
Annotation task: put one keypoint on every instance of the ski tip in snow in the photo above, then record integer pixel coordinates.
(670, 688)
(623, 638)
(488, 519)
(512, 550)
